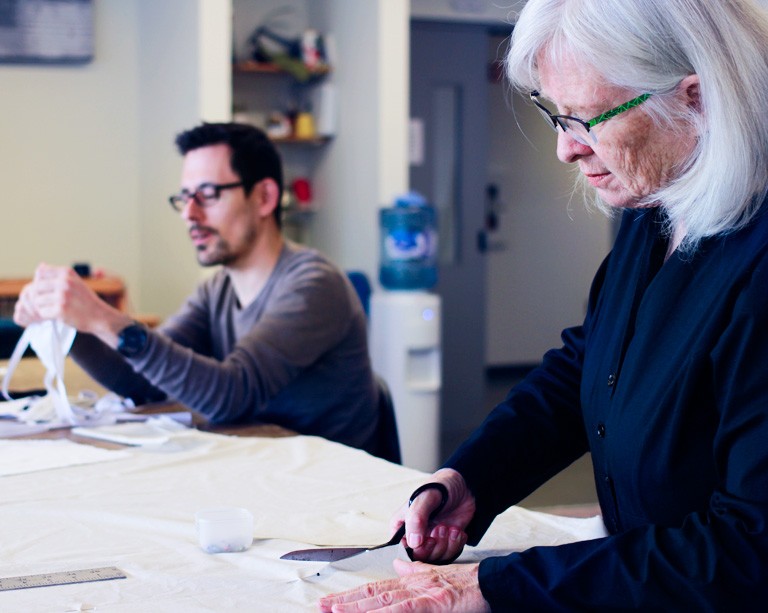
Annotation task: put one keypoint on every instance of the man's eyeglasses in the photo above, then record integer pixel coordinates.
(205, 195)
(579, 129)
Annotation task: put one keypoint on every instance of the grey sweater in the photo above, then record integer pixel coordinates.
(296, 356)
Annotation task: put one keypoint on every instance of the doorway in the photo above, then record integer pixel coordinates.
(448, 117)
(516, 265)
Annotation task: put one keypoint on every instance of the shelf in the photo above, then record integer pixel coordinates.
(266, 85)
(316, 141)
(297, 217)
(252, 67)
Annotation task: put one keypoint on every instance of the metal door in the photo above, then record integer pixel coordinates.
(449, 143)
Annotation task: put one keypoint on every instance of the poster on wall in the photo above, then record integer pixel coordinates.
(46, 31)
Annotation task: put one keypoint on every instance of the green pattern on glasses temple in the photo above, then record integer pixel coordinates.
(619, 109)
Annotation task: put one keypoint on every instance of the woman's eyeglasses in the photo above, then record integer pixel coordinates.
(581, 130)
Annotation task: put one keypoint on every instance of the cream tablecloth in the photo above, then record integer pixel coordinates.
(135, 511)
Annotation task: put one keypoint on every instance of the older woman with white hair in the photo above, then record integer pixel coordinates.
(663, 105)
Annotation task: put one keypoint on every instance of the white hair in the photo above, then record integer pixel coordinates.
(650, 46)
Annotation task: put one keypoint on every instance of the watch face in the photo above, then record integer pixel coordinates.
(132, 340)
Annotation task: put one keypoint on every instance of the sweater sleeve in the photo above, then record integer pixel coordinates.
(110, 369)
(307, 314)
(114, 372)
(536, 432)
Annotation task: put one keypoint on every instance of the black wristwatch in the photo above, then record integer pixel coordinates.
(132, 340)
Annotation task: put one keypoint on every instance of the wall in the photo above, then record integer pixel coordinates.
(366, 167)
(547, 247)
(86, 151)
(87, 157)
(480, 11)
(184, 67)
(68, 144)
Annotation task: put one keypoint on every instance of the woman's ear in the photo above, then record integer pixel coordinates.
(690, 86)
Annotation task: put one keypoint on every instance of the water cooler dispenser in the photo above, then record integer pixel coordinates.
(405, 327)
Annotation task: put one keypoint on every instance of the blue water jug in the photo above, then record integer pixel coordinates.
(408, 253)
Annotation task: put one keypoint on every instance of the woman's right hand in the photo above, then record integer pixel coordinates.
(441, 540)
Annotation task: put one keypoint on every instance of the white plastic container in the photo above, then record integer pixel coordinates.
(224, 530)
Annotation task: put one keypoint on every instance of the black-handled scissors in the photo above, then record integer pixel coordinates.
(331, 554)
(398, 536)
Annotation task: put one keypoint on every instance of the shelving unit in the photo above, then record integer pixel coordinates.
(263, 88)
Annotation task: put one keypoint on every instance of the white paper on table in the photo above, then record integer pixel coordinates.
(11, 429)
(153, 431)
(17, 457)
(15, 408)
(51, 340)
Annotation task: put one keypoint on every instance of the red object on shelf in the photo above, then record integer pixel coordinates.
(302, 189)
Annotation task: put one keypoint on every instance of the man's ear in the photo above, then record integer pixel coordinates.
(267, 193)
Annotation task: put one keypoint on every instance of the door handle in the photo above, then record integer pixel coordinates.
(482, 241)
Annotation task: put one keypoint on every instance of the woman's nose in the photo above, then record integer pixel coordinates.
(569, 149)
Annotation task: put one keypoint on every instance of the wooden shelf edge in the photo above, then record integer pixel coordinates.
(250, 66)
(290, 140)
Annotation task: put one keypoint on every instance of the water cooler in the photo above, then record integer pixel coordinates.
(405, 327)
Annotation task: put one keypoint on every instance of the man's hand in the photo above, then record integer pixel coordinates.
(420, 587)
(57, 292)
(24, 312)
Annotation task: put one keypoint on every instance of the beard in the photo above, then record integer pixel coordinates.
(214, 255)
(221, 253)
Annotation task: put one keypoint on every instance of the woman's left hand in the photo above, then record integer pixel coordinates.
(425, 588)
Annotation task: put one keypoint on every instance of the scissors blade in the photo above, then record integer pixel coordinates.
(324, 554)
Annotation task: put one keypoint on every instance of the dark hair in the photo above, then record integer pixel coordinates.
(254, 156)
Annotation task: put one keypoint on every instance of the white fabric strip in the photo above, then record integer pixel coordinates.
(51, 341)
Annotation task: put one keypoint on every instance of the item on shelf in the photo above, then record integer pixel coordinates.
(288, 201)
(302, 192)
(303, 57)
(267, 44)
(252, 118)
(304, 126)
(278, 125)
(324, 107)
(313, 50)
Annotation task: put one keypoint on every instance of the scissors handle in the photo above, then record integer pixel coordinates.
(398, 536)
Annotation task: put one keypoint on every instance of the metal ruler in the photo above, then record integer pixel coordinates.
(103, 573)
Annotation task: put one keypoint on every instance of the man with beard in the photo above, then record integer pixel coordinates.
(276, 335)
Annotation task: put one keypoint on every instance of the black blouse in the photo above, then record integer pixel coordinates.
(666, 383)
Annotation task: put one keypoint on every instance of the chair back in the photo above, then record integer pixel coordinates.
(388, 441)
(10, 334)
(362, 286)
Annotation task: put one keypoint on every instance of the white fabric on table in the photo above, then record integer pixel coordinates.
(18, 457)
(51, 340)
(137, 513)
